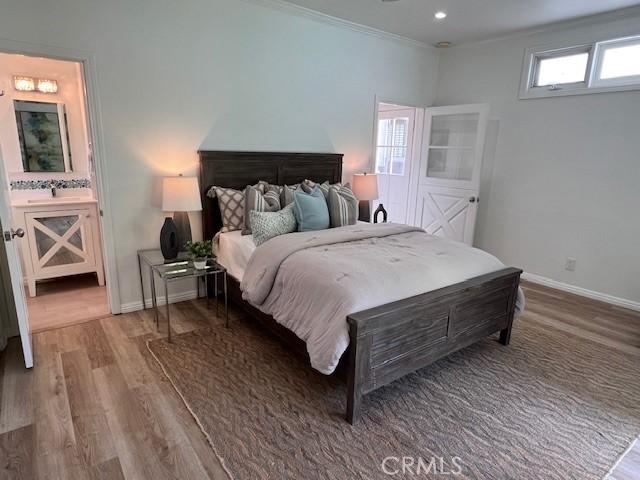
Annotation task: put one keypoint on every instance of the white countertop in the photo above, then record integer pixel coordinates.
(52, 202)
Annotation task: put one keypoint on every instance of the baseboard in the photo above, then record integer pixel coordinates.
(175, 298)
(583, 292)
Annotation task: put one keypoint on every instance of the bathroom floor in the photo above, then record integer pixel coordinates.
(67, 301)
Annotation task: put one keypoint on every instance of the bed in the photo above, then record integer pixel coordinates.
(384, 342)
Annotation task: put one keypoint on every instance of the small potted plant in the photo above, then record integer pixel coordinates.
(199, 252)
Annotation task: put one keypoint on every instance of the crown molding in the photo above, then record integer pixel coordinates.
(310, 14)
(612, 16)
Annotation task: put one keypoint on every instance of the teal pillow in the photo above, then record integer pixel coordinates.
(311, 210)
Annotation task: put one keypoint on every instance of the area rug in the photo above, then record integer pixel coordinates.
(549, 406)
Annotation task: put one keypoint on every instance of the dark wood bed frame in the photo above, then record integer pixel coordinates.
(389, 341)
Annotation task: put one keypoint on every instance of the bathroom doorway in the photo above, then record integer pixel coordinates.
(54, 203)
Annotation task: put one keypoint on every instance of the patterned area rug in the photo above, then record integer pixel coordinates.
(549, 406)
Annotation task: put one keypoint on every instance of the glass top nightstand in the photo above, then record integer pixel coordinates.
(181, 268)
(152, 257)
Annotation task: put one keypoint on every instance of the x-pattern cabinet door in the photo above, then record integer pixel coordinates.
(449, 177)
(60, 242)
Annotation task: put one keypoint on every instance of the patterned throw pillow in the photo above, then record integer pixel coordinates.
(231, 204)
(343, 206)
(254, 199)
(266, 225)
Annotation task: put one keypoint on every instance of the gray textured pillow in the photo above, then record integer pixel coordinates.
(266, 225)
(343, 206)
(286, 197)
(231, 204)
(324, 187)
(255, 200)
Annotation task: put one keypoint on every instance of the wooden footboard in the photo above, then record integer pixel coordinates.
(395, 339)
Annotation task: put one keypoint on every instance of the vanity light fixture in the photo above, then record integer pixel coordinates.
(47, 86)
(29, 84)
(24, 84)
(440, 15)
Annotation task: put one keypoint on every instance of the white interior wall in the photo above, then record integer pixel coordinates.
(218, 74)
(561, 175)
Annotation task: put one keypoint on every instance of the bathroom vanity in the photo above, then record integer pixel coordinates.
(63, 238)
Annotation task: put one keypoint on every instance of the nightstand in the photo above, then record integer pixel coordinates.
(180, 270)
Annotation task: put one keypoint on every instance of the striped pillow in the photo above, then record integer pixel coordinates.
(343, 206)
(255, 200)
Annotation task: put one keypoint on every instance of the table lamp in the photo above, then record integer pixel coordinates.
(180, 195)
(365, 188)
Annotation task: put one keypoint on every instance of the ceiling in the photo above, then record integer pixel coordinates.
(467, 20)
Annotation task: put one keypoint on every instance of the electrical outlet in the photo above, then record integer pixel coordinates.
(571, 264)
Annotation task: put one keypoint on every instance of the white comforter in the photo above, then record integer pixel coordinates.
(311, 281)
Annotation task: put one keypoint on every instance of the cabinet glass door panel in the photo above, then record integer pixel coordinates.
(61, 242)
(63, 257)
(454, 130)
(59, 226)
(455, 164)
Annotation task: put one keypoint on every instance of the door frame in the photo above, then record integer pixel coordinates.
(418, 129)
(96, 135)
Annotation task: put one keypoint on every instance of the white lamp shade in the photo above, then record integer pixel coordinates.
(365, 186)
(181, 194)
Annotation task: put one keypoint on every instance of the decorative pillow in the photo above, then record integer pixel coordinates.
(261, 185)
(254, 199)
(266, 225)
(343, 206)
(231, 204)
(308, 185)
(311, 210)
(286, 197)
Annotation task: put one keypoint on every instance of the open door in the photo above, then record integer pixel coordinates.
(9, 236)
(448, 180)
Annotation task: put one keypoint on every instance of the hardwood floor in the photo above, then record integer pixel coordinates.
(600, 322)
(97, 405)
(67, 301)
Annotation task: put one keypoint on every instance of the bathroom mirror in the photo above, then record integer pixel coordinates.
(43, 134)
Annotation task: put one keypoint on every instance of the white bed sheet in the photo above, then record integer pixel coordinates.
(233, 251)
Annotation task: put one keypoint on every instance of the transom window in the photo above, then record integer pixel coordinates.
(391, 146)
(597, 67)
(561, 69)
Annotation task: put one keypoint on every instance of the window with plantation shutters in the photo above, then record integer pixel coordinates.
(391, 145)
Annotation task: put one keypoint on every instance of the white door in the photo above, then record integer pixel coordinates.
(448, 180)
(14, 266)
(394, 148)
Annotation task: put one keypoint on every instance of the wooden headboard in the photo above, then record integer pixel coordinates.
(239, 169)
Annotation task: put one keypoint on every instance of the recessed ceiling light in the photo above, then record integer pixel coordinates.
(440, 15)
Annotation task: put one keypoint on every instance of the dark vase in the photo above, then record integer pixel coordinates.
(169, 239)
(379, 210)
